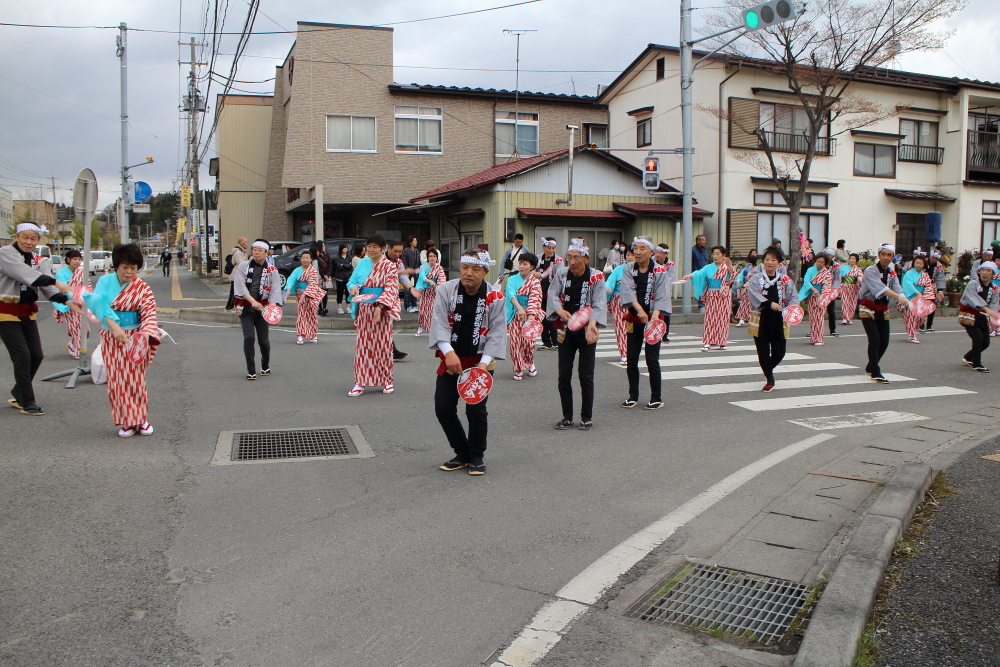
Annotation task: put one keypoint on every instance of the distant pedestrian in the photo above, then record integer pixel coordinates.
(411, 266)
(645, 289)
(548, 263)
(237, 257)
(165, 258)
(572, 288)
(979, 302)
(524, 304)
(431, 277)
(342, 270)
(743, 311)
(841, 255)
(467, 331)
(21, 279)
(304, 283)
(257, 285)
(373, 355)
(72, 274)
(699, 259)
(427, 246)
(835, 283)
(770, 293)
(510, 256)
(878, 284)
(324, 267)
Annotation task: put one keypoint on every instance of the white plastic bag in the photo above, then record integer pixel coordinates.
(98, 373)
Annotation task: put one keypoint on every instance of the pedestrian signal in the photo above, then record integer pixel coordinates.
(651, 173)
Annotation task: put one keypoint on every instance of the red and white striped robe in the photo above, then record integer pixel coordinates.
(718, 308)
(427, 295)
(307, 304)
(910, 320)
(522, 352)
(75, 322)
(743, 312)
(849, 293)
(817, 304)
(621, 333)
(373, 353)
(127, 379)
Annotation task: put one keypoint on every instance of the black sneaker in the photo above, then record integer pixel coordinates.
(654, 405)
(982, 369)
(251, 376)
(834, 334)
(265, 372)
(629, 403)
(931, 329)
(454, 464)
(564, 424)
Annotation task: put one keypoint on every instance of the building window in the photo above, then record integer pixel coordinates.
(418, 129)
(991, 207)
(644, 132)
(661, 68)
(991, 232)
(355, 134)
(597, 134)
(774, 198)
(786, 129)
(875, 160)
(517, 134)
(920, 142)
(778, 226)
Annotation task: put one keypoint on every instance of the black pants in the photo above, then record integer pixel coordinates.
(980, 335)
(877, 331)
(341, 291)
(549, 338)
(232, 297)
(770, 352)
(577, 341)
(634, 343)
(166, 268)
(322, 304)
(467, 447)
(831, 316)
(666, 320)
(25, 349)
(253, 323)
(930, 322)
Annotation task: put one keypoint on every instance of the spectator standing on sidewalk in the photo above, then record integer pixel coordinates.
(423, 253)
(510, 257)
(165, 258)
(343, 266)
(324, 267)
(699, 258)
(411, 267)
(237, 257)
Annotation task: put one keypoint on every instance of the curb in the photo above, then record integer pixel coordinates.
(847, 603)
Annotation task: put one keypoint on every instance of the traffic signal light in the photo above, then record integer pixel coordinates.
(770, 13)
(651, 173)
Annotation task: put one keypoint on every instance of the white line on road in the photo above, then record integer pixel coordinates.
(704, 373)
(690, 350)
(549, 624)
(708, 359)
(808, 383)
(863, 419)
(825, 400)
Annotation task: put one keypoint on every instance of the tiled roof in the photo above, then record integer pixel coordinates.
(916, 195)
(659, 209)
(571, 213)
(488, 92)
(491, 175)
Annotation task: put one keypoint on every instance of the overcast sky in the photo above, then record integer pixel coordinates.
(61, 87)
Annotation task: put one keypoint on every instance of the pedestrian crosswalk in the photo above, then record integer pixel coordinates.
(720, 373)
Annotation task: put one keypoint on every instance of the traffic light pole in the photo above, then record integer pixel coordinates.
(687, 189)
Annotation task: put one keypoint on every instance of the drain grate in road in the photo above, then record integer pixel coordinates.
(261, 446)
(717, 599)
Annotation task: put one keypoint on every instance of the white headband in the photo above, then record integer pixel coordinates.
(829, 251)
(886, 246)
(482, 260)
(261, 245)
(32, 227)
(546, 242)
(988, 265)
(578, 245)
(935, 253)
(646, 242)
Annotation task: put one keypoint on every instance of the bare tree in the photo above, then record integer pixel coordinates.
(823, 54)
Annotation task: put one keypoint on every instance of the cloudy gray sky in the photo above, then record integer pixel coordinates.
(61, 86)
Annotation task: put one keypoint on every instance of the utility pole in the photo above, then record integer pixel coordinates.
(123, 55)
(55, 214)
(687, 189)
(193, 103)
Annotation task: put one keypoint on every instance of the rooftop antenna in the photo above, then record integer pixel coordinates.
(517, 79)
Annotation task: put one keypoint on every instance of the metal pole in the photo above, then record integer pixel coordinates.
(192, 156)
(687, 80)
(123, 230)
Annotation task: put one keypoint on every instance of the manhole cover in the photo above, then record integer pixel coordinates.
(734, 602)
(262, 446)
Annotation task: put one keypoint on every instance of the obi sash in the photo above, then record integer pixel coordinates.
(714, 284)
(523, 300)
(128, 320)
(301, 285)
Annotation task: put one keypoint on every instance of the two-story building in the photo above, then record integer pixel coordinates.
(939, 152)
(341, 122)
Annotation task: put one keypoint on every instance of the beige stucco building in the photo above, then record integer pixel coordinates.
(340, 121)
(939, 152)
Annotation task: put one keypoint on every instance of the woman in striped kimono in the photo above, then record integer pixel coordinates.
(743, 312)
(817, 291)
(431, 275)
(850, 286)
(126, 308)
(72, 274)
(916, 282)
(615, 308)
(375, 274)
(304, 283)
(712, 285)
(524, 304)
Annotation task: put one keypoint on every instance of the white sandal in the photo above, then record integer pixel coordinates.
(388, 389)
(357, 391)
(126, 431)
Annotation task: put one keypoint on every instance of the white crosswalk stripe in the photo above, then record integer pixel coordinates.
(805, 383)
(824, 400)
(737, 348)
(863, 419)
(728, 372)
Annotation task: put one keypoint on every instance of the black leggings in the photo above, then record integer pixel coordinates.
(25, 347)
(574, 341)
(770, 352)
(341, 291)
(831, 316)
(877, 331)
(980, 335)
(253, 323)
(636, 340)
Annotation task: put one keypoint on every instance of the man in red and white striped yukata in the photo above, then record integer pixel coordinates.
(374, 351)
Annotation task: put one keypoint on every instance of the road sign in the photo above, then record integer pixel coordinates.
(142, 191)
(140, 208)
(186, 196)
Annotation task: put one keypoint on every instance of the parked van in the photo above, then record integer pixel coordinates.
(100, 261)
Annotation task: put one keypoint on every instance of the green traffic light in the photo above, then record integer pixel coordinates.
(752, 20)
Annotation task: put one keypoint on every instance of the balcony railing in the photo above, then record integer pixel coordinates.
(984, 151)
(798, 143)
(925, 154)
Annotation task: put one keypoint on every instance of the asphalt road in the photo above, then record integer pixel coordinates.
(138, 551)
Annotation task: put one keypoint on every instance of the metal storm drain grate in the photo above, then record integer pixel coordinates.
(715, 599)
(290, 444)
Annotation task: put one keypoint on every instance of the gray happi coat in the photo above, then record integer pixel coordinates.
(975, 296)
(758, 295)
(240, 283)
(872, 286)
(494, 342)
(597, 299)
(14, 273)
(661, 277)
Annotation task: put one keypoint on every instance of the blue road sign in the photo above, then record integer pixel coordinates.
(142, 191)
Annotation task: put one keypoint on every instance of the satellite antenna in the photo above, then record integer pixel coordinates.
(517, 79)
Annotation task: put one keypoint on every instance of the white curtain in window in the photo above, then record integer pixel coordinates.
(864, 159)
(816, 224)
(363, 134)
(883, 160)
(406, 134)
(430, 135)
(782, 224)
(338, 133)
(505, 138)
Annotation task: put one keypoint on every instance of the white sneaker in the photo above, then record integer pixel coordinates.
(340, 311)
